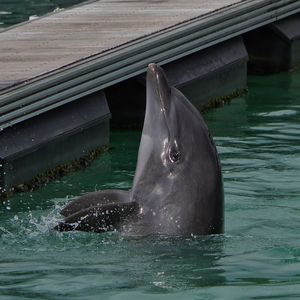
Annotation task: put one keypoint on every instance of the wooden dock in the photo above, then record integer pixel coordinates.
(64, 56)
(32, 49)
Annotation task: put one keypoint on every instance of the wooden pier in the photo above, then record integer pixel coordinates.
(67, 56)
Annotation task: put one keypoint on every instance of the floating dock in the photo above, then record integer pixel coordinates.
(63, 75)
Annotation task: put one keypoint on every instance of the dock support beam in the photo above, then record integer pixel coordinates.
(57, 137)
(214, 72)
(72, 131)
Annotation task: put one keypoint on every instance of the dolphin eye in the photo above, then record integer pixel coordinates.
(174, 155)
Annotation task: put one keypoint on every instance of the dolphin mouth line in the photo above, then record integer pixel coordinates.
(155, 71)
(171, 148)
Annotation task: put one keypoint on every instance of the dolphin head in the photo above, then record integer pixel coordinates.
(178, 181)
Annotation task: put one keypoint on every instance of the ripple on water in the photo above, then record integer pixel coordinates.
(279, 113)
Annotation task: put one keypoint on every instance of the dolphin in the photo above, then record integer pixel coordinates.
(177, 188)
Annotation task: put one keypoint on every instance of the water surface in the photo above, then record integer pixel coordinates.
(258, 257)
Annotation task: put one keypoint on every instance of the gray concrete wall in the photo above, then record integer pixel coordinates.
(62, 135)
(214, 72)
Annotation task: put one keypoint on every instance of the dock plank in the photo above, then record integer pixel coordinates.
(61, 38)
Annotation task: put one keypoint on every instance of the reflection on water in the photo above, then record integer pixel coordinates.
(16, 11)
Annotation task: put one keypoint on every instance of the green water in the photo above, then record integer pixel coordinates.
(16, 11)
(257, 258)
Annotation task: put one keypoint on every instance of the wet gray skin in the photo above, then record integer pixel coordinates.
(177, 188)
(178, 181)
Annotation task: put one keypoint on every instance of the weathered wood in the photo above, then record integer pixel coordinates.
(61, 38)
(65, 56)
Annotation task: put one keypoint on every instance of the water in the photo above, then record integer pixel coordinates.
(258, 257)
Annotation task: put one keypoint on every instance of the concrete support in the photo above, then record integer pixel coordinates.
(59, 136)
(127, 103)
(275, 47)
(217, 71)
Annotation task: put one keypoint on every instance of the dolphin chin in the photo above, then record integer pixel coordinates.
(177, 187)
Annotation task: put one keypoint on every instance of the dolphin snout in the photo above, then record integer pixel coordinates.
(157, 81)
(153, 73)
(152, 67)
